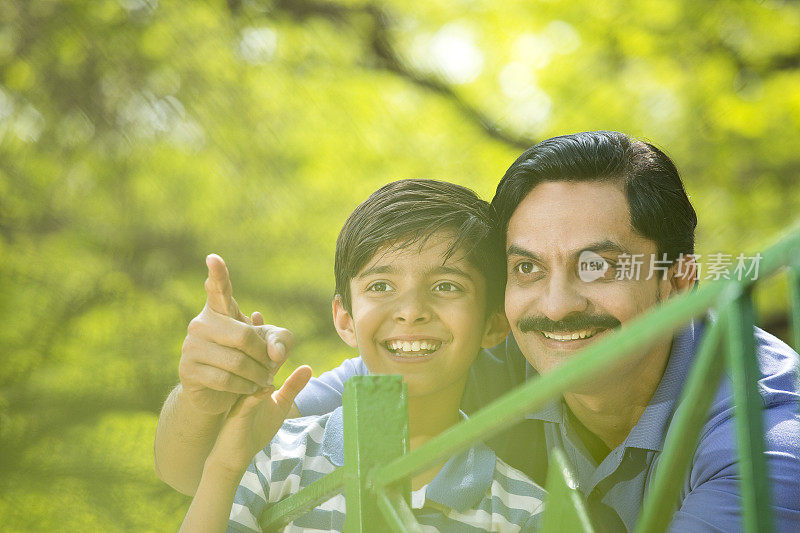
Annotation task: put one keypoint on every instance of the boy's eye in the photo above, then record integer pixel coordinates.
(446, 286)
(379, 286)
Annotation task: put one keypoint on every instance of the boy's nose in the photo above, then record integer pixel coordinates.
(412, 309)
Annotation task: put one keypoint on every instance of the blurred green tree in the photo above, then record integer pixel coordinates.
(137, 136)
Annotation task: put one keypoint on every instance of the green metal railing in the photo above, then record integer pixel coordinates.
(378, 466)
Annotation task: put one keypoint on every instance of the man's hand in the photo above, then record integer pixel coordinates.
(226, 354)
(253, 421)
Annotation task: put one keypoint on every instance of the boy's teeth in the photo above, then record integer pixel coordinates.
(585, 334)
(412, 346)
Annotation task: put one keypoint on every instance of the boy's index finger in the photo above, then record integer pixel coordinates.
(219, 292)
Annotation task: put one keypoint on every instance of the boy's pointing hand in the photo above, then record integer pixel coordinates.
(225, 353)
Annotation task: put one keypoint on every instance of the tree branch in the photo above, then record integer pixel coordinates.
(386, 58)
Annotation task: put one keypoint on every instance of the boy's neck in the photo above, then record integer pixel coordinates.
(428, 416)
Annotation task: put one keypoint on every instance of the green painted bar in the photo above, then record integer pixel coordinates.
(302, 501)
(755, 489)
(690, 416)
(376, 431)
(794, 295)
(397, 513)
(564, 509)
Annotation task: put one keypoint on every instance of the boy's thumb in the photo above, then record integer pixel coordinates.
(284, 397)
(245, 405)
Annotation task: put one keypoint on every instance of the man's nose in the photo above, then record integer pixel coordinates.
(412, 308)
(562, 297)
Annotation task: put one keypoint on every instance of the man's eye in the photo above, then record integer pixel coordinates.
(379, 286)
(446, 286)
(526, 267)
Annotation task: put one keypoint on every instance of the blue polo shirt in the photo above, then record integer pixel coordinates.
(616, 488)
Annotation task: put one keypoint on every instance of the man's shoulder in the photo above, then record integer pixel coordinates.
(494, 372)
(779, 367)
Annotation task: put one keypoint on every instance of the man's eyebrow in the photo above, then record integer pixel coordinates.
(596, 247)
(377, 269)
(516, 250)
(605, 246)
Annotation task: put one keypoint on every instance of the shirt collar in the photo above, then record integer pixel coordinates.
(460, 484)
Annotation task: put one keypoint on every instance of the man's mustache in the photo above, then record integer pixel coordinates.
(575, 322)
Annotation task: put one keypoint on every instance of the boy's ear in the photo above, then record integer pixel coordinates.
(343, 322)
(496, 329)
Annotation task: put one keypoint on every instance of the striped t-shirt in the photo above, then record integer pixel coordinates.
(474, 491)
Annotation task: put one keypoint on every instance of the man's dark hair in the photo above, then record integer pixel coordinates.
(659, 207)
(408, 212)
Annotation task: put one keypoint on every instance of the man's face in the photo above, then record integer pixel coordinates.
(554, 308)
(420, 315)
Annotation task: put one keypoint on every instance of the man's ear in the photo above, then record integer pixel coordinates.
(496, 329)
(683, 274)
(343, 322)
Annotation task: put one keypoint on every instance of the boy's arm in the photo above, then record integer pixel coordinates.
(211, 505)
(251, 424)
(223, 356)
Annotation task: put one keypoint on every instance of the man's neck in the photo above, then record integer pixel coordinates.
(613, 406)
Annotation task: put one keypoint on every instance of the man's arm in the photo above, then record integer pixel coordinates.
(713, 500)
(224, 356)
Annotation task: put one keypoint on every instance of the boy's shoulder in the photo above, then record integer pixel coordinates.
(516, 487)
(309, 436)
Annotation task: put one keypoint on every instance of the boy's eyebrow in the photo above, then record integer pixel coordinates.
(377, 269)
(388, 269)
(445, 269)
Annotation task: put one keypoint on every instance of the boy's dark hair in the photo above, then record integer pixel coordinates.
(659, 207)
(407, 212)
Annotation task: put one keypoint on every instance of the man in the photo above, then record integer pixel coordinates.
(604, 196)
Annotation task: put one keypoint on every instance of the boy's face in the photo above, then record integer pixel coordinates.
(417, 315)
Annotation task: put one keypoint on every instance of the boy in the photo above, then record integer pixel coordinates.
(419, 290)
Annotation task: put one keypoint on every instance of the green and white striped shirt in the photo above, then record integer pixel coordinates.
(474, 491)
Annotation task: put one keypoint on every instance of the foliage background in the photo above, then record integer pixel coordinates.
(136, 136)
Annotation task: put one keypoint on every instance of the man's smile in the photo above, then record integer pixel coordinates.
(564, 336)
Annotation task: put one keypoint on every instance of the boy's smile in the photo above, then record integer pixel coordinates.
(418, 313)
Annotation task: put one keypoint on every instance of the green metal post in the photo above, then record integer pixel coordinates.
(794, 294)
(564, 509)
(755, 490)
(375, 432)
(690, 416)
(303, 501)
(397, 512)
